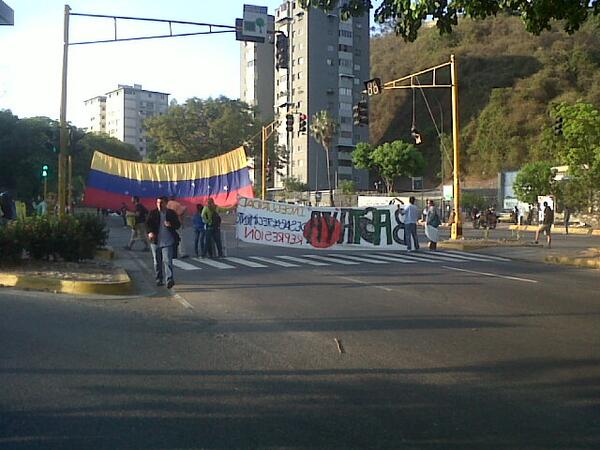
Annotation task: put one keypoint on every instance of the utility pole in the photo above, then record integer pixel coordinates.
(266, 133)
(63, 148)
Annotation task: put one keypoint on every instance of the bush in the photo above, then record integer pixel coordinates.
(71, 238)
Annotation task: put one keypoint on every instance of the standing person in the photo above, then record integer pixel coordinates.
(41, 207)
(546, 225)
(432, 222)
(162, 224)
(123, 212)
(211, 218)
(411, 215)
(138, 231)
(199, 231)
(180, 211)
(424, 214)
(567, 212)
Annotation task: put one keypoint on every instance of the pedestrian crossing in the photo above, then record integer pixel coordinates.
(334, 259)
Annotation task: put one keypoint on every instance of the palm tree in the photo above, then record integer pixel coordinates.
(323, 128)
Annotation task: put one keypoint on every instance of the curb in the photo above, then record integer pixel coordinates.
(593, 263)
(558, 230)
(122, 286)
(466, 245)
(105, 254)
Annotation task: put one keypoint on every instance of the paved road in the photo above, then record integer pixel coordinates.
(465, 353)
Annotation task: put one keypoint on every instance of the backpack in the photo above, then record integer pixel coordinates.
(435, 220)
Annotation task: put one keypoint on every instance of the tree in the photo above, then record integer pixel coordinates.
(579, 147)
(348, 187)
(534, 179)
(391, 160)
(324, 128)
(408, 15)
(200, 129)
(293, 184)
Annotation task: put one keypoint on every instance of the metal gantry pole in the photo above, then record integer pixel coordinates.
(457, 224)
(263, 163)
(63, 150)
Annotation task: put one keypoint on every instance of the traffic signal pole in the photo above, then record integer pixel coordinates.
(373, 88)
(267, 132)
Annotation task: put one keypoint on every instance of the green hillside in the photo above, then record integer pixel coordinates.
(509, 80)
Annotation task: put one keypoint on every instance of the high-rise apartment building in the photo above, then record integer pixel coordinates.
(121, 113)
(328, 63)
(256, 74)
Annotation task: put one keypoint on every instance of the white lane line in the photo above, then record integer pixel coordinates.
(213, 263)
(182, 300)
(495, 275)
(302, 260)
(422, 258)
(354, 280)
(464, 257)
(398, 259)
(274, 261)
(357, 258)
(244, 262)
(184, 265)
(332, 260)
(479, 255)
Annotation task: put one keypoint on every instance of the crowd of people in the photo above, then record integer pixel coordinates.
(160, 230)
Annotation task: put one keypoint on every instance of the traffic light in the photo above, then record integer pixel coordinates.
(416, 135)
(302, 124)
(289, 122)
(281, 51)
(360, 113)
(45, 171)
(558, 124)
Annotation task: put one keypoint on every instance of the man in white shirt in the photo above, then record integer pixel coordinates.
(411, 215)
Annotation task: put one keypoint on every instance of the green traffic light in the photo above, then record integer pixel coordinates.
(45, 167)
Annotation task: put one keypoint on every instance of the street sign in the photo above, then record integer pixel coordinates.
(7, 15)
(254, 24)
(417, 183)
(448, 192)
(373, 86)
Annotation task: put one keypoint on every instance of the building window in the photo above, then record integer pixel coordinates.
(329, 61)
(346, 134)
(345, 62)
(300, 61)
(345, 162)
(330, 48)
(356, 81)
(345, 33)
(346, 92)
(357, 67)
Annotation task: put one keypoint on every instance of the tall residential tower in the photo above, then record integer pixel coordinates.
(121, 113)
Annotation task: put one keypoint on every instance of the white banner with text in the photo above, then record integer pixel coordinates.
(299, 226)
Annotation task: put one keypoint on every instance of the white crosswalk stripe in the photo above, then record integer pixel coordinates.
(244, 262)
(332, 260)
(184, 265)
(213, 263)
(423, 258)
(274, 261)
(357, 258)
(345, 259)
(302, 260)
(398, 258)
(479, 255)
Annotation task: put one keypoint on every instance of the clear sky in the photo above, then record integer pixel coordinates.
(195, 66)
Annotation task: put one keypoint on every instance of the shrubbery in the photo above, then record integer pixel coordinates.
(71, 238)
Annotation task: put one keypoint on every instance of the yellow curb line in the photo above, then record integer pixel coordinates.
(557, 230)
(121, 286)
(106, 254)
(466, 245)
(580, 262)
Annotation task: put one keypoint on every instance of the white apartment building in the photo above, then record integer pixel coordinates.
(328, 63)
(121, 113)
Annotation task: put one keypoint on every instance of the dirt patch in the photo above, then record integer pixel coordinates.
(71, 271)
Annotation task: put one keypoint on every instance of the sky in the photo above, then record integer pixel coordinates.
(31, 53)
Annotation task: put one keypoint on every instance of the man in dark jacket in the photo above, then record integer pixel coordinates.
(162, 224)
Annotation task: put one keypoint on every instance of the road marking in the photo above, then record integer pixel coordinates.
(274, 261)
(244, 262)
(354, 280)
(213, 263)
(182, 300)
(392, 258)
(479, 255)
(423, 258)
(332, 260)
(302, 260)
(184, 265)
(357, 258)
(465, 257)
(527, 280)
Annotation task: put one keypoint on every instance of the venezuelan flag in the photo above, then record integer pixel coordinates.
(113, 181)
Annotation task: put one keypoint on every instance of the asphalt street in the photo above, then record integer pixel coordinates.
(273, 348)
